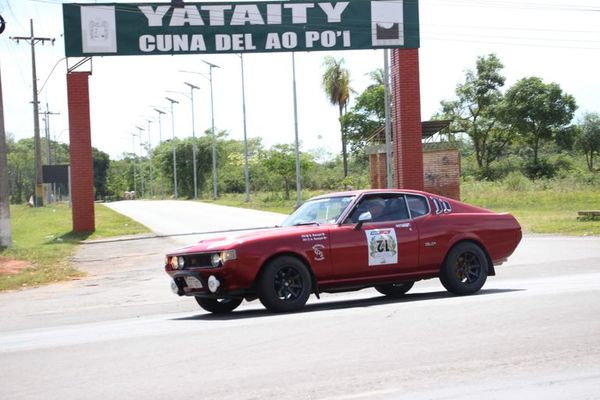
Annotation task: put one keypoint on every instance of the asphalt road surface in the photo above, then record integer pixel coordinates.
(533, 332)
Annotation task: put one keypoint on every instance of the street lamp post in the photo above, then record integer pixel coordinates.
(192, 87)
(141, 158)
(150, 160)
(246, 174)
(174, 145)
(298, 185)
(133, 163)
(214, 140)
(162, 177)
(388, 121)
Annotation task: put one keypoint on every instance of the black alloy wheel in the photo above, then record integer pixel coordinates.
(218, 306)
(465, 269)
(284, 284)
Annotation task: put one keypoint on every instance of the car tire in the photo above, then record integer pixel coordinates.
(218, 306)
(284, 285)
(395, 289)
(465, 269)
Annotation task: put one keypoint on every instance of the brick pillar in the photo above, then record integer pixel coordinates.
(80, 150)
(408, 153)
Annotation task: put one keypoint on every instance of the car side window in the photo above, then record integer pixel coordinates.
(418, 205)
(382, 208)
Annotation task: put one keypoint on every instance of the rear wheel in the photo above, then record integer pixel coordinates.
(395, 289)
(218, 306)
(465, 269)
(284, 285)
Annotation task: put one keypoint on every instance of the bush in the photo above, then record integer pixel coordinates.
(517, 182)
(540, 169)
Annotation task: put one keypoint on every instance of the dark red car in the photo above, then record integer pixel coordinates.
(386, 239)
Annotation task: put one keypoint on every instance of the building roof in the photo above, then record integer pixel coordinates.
(428, 129)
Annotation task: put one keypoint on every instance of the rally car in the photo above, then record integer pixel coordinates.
(386, 239)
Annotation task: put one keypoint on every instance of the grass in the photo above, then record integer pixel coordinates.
(542, 207)
(274, 202)
(42, 237)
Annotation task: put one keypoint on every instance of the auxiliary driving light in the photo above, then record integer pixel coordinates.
(215, 260)
(213, 284)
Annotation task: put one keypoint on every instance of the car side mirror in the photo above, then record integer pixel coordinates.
(362, 218)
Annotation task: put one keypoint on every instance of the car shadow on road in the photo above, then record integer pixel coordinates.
(327, 305)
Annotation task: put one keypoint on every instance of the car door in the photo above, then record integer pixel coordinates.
(385, 246)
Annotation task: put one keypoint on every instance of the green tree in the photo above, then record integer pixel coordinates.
(21, 170)
(474, 111)
(281, 161)
(367, 115)
(119, 176)
(537, 111)
(587, 138)
(336, 83)
(163, 163)
(101, 163)
(231, 169)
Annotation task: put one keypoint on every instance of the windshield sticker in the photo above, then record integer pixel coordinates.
(319, 254)
(314, 237)
(383, 246)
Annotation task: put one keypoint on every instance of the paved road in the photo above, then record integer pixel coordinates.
(533, 332)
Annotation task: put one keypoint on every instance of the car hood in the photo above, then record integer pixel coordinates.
(233, 239)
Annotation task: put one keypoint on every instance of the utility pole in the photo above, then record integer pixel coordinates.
(47, 115)
(33, 40)
(5, 227)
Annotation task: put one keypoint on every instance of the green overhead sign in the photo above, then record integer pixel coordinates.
(117, 29)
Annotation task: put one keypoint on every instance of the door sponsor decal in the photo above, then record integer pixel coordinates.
(383, 246)
(314, 237)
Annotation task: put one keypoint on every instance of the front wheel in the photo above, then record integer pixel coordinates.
(284, 285)
(465, 269)
(218, 306)
(395, 289)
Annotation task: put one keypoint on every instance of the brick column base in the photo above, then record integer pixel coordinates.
(80, 150)
(407, 129)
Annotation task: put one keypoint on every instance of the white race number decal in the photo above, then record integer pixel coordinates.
(383, 246)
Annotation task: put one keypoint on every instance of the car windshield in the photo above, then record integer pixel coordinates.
(319, 211)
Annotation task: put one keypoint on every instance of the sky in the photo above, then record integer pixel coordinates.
(557, 40)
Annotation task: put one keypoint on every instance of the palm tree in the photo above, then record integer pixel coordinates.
(336, 83)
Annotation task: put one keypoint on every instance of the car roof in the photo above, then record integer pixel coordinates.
(368, 191)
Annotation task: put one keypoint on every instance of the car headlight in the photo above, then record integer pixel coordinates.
(180, 262)
(221, 258)
(228, 255)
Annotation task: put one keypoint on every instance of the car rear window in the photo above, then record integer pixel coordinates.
(417, 205)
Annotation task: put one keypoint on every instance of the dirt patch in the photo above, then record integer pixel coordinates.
(9, 266)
